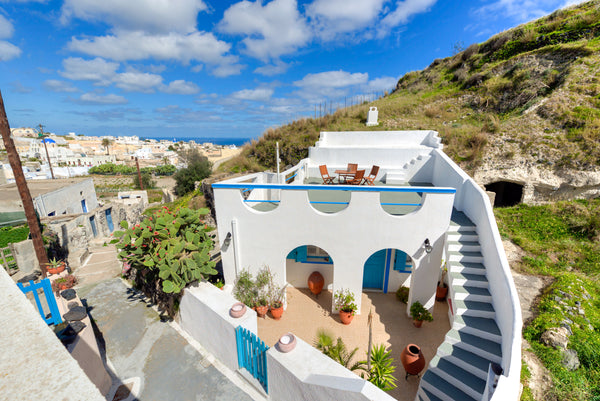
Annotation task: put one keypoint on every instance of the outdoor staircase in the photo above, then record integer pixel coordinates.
(459, 369)
(400, 176)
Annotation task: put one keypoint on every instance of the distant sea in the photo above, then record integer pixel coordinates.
(200, 140)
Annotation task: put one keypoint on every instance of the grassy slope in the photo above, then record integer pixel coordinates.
(531, 92)
(563, 240)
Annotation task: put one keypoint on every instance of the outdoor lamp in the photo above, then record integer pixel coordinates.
(428, 247)
(226, 242)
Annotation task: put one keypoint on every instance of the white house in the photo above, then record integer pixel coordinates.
(423, 208)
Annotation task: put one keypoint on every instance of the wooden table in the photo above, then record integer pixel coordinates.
(345, 174)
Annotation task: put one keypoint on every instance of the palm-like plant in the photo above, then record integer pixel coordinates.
(382, 368)
(106, 144)
(336, 350)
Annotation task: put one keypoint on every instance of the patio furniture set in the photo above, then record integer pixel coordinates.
(351, 176)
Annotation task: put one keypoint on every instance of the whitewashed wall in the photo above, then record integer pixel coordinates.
(204, 314)
(306, 374)
(350, 236)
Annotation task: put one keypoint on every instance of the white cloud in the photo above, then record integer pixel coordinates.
(258, 94)
(272, 30)
(8, 51)
(331, 17)
(98, 70)
(181, 87)
(278, 67)
(329, 84)
(55, 85)
(135, 81)
(94, 98)
(197, 46)
(149, 15)
(521, 10)
(382, 84)
(404, 10)
(225, 70)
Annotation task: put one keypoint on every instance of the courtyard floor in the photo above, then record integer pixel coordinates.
(305, 314)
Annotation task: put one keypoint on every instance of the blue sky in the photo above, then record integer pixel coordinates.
(206, 68)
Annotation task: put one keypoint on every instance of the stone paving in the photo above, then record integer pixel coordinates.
(140, 347)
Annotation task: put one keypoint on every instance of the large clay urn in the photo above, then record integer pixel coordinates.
(412, 359)
(316, 282)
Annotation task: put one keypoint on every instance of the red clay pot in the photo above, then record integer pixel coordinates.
(441, 292)
(316, 282)
(261, 311)
(277, 312)
(412, 359)
(417, 323)
(58, 269)
(346, 317)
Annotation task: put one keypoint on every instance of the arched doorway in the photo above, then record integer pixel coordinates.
(386, 270)
(304, 260)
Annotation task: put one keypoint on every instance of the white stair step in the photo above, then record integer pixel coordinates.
(472, 280)
(465, 359)
(467, 268)
(487, 349)
(465, 257)
(464, 246)
(464, 292)
(458, 377)
(474, 308)
(479, 326)
(463, 236)
(440, 388)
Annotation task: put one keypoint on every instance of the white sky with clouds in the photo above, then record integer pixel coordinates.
(202, 68)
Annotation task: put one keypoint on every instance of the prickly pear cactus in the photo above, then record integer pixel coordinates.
(172, 248)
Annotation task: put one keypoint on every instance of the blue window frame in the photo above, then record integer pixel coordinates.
(302, 255)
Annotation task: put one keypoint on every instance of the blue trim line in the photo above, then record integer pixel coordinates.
(401, 204)
(330, 203)
(261, 200)
(354, 188)
(287, 179)
(386, 277)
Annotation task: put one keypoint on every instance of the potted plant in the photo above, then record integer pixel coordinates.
(344, 302)
(402, 294)
(261, 306)
(63, 283)
(219, 284)
(55, 266)
(419, 313)
(276, 302)
(442, 287)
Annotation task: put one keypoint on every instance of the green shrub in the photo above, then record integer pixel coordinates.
(402, 294)
(166, 252)
(11, 235)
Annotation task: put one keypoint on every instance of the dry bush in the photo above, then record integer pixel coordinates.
(496, 42)
(469, 51)
(474, 80)
(433, 111)
(491, 123)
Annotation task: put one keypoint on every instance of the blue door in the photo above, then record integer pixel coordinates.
(93, 224)
(374, 270)
(83, 206)
(109, 221)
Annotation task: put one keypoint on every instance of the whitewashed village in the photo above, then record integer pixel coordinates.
(437, 241)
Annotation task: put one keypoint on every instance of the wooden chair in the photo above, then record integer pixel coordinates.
(327, 179)
(372, 175)
(352, 167)
(358, 177)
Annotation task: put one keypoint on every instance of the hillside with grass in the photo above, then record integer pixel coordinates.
(522, 106)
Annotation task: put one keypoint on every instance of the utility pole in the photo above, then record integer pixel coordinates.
(17, 168)
(41, 135)
(137, 164)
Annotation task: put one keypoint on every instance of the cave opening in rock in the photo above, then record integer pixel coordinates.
(507, 193)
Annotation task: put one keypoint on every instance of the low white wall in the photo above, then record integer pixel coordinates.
(34, 363)
(204, 314)
(306, 374)
(367, 139)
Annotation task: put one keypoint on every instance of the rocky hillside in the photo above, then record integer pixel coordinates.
(523, 107)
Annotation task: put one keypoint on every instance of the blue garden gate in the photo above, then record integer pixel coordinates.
(252, 355)
(50, 300)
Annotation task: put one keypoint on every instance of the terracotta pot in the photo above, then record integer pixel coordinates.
(441, 292)
(346, 317)
(316, 282)
(286, 343)
(412, 359)
(277, 312)
(417, 323)
(237, 310)
(56, 270)
(261, 311)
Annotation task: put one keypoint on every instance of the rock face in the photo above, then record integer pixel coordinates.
(570, 359)
(539, 184)
(556, 337)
